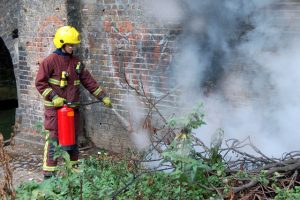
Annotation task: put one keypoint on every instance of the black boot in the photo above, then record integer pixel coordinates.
(48, 175)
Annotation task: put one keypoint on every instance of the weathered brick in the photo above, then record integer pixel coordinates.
(118, 42)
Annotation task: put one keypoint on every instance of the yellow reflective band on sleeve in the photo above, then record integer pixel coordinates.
(46, 92)
(77, 82)
(97, 92)
(54, 81)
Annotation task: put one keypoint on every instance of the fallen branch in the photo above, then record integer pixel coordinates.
(6, 185)
(285, 168)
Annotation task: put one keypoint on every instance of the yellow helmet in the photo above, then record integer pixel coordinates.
(66, 35)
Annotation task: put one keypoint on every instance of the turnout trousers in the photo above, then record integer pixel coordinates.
(51, 127)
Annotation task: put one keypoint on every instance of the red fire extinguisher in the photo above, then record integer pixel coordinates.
(66, 128)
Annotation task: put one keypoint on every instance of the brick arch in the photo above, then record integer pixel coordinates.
(8, 90)
(7, 76)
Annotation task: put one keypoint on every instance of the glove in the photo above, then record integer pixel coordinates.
(58, 101)
(106, 102)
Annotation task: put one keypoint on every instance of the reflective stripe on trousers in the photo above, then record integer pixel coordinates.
(50, 123)
(49, 162)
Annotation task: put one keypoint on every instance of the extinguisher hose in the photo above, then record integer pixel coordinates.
(89, 103)
(69, 103)
(123, 120)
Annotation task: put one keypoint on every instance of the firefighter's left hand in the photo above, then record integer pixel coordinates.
(107, 102)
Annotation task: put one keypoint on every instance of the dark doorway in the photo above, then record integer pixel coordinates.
(8, 92)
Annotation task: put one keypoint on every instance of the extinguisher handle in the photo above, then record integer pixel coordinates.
(70, 103)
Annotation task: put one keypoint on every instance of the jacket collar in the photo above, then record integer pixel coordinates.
(61, 53)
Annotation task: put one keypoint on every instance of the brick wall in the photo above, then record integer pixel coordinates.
(8, 54)
(9, 22)
(37, 24)
(118, 41)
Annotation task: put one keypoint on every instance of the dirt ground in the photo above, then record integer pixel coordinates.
(25, 163)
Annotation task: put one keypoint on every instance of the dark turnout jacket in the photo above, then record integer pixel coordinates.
(49, 77)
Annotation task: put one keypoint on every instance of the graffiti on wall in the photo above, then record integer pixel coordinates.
(142, 57)
(137, 55)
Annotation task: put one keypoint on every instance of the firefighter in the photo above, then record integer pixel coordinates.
(58, 80)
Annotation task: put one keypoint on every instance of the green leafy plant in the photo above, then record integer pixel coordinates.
(191, 175)
(288, 194)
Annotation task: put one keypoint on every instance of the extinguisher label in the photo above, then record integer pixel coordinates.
(70, 114)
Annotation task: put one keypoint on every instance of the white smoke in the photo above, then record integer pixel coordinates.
(139, 135)
(242, 48)
(283, 66)
(167, 10)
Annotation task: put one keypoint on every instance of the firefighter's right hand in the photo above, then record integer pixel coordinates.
(58, 101)
(106, 102)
